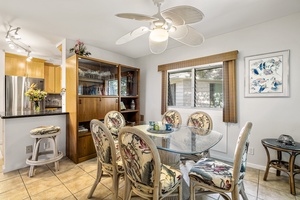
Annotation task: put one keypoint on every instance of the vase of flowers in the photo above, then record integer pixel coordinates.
(35, 96)
(80, 49)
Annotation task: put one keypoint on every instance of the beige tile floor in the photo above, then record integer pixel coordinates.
(74, 181)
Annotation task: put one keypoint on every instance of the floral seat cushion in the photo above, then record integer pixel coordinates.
(103, 149)
(119, 161)
(214, 173)
(199, 120)
(42, 130)
(169, 178)
(114, 121)
(172, 117)
(140, 166)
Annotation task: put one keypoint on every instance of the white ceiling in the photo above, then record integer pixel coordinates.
(46, 23)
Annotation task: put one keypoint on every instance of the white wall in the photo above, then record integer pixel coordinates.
(2, 92)
(270, 116)
(103, 54)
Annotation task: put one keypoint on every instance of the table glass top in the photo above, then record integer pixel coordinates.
(275, 143)
(185, 140)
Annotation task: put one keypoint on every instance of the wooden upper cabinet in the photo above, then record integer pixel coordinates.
(13, 66)
(35, 69)
(52, 74)
(16, 65)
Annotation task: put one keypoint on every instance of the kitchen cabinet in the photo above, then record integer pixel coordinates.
(52, 74)
(17, 65)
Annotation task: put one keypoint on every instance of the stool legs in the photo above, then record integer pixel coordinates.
(55, 152)
(33, 160)
(35, 154)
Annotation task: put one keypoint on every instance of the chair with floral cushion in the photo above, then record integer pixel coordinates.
(108, 156)
(145, 175)
(213, 176)
(198, 120)
(172, 117)
(114, 121)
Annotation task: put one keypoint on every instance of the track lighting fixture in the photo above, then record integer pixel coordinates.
(13, 33)
(13, 40)
(29, 57)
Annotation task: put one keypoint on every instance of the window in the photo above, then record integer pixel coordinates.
(180, 88)
(196, 87)
(229, 80)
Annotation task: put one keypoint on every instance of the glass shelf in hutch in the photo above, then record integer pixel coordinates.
(97, 78)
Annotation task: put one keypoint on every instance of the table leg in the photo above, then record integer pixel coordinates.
(268, 163)
(291, 174)
(279, 158)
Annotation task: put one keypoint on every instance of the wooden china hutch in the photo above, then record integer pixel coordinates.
(93, 88)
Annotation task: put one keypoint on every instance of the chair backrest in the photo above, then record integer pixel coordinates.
(141, 160)
(200, 119)
(104, 144)
(114, 121)
(240, 154)
(172, 117)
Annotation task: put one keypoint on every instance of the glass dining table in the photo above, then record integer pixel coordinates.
(186, 140)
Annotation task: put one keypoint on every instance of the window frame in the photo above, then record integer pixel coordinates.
(229, 80)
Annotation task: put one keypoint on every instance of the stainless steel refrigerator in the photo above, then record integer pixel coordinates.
(15, 88)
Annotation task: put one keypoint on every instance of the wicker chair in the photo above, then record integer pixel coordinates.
(145, 175)
(114, 121)
(198, 120)
(213, 176)
(172, 117)
(108, 157)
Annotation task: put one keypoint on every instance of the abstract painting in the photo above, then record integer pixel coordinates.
(267, 75)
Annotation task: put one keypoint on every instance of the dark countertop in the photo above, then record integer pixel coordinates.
(20, 114)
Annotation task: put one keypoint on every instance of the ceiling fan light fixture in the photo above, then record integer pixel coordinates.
(157, 47)
(159, 35)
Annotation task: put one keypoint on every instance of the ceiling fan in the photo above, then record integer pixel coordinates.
(172, 22)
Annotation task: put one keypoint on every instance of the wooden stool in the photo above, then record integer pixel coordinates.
(40, 133)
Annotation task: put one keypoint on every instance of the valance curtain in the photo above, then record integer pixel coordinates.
(229, 80)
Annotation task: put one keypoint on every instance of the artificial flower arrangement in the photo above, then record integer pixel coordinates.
(35, 94)
(80, 49)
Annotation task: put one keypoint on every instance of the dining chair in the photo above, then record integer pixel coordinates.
(172, 117)
(145, 175)
(198, 120)
(213, 176)
(108, 156)
(114, 121)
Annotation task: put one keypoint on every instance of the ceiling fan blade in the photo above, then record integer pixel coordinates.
(180, 32)
(132, 35)
(139, 17)
(187, 35)
(157, 47)
(181, 15)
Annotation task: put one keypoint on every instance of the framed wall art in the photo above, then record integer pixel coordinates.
(267, 75)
